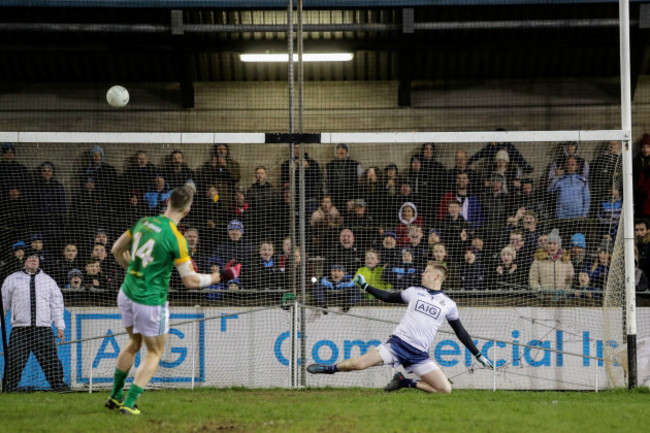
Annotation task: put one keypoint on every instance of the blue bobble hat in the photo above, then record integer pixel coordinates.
(390, 235)
(20, 245)
(236, 225)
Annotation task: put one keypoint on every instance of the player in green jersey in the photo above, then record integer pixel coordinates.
(148, 252)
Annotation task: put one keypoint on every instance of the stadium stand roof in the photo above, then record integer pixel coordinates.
(200, 41)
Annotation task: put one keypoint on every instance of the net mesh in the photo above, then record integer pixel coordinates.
(529, 230)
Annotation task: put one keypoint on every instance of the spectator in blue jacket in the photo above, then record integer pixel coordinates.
(572, 191)
(404, 274)
(156, 197)
(337, 288)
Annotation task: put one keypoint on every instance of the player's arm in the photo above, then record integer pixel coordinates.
(464, 338)
(121, 249)
(382, 295)
(194, 280)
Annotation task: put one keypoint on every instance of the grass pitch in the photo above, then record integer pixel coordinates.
(331, 410)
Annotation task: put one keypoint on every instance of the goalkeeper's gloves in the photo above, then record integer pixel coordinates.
(484, 361)
(360, 281)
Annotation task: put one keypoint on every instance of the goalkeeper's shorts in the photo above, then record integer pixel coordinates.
(396, 352)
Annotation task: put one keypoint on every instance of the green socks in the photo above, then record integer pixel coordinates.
(118, 384)
(133, 394)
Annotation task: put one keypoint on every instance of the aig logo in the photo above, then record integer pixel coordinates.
(428, 309)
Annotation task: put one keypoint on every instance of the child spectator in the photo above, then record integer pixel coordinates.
(337, 288)
(508, 276)
(472, 271)
(408, 214)
(578, 247)
(404, 274)
(599, 270)
(73, 290)
(373, 272)
(609, 213)
(389, 251)
(434, 237)
(95, 281)
(418, 248)
(583, 288)
(439, 254)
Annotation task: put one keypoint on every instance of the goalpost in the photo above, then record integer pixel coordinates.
(549, 318)
(540, 336)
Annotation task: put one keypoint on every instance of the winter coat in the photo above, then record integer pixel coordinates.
(548, 273)
(573, 196)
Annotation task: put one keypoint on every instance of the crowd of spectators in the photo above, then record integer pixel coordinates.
(496, 221)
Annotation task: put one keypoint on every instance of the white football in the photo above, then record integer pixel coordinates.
(117, 96)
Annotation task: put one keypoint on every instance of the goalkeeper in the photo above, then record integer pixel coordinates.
(155, 247)
(409, 345)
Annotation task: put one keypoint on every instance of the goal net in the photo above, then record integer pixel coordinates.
(420, 148)
(527, 230)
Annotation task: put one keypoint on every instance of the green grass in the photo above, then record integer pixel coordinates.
(331, 410)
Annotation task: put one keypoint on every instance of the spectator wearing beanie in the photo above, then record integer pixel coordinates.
(551, 270)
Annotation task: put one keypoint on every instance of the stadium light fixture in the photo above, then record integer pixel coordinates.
(306, 57)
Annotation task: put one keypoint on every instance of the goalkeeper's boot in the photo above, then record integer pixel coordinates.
(113, 403)
(321, 369)
(395, 383)
(125, 410)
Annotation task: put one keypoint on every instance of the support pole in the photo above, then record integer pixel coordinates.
(628, 194)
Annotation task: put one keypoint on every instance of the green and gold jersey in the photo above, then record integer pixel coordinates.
(156, 246)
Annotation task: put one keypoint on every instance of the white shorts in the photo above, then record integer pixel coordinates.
(148, 320)
(391, 358)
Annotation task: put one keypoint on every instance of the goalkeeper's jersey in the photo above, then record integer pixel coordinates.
(156, 246)
(425, 314)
